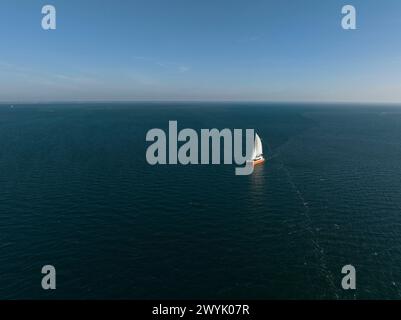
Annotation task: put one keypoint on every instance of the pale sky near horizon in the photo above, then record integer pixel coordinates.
(281, 50)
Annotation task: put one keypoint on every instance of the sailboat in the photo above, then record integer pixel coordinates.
(257, 155)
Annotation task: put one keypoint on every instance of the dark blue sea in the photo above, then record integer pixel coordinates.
(76, 192)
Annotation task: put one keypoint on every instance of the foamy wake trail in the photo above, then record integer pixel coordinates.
(318, 250)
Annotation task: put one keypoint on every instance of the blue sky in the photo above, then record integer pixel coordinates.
(282, 50)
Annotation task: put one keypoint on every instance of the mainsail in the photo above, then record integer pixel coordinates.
(257, 148)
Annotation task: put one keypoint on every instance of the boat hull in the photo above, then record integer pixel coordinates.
(258, 161)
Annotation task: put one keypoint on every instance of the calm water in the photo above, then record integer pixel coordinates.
(76, 192)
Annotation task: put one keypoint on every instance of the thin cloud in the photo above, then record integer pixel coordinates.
(178, 67)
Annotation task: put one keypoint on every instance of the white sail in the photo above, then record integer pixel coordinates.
(258, 146)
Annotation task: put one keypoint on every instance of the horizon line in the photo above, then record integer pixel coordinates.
(11, 102)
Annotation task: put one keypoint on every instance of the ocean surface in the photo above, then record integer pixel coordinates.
(76, 192)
